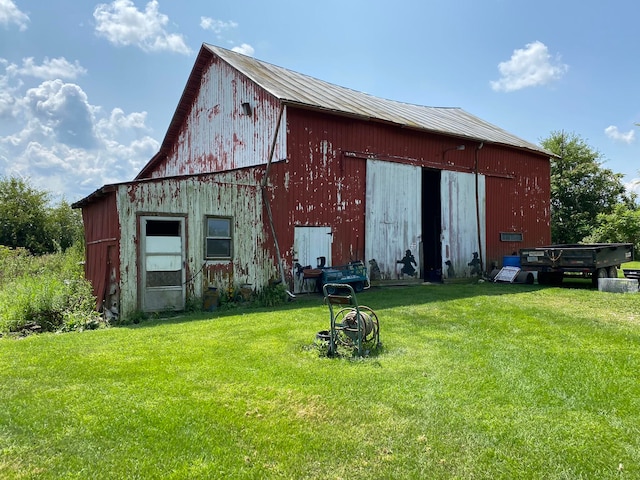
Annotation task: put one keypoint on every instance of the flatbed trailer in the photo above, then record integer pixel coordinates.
(588, 260)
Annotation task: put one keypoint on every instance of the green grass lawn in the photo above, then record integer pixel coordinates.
(474, 381)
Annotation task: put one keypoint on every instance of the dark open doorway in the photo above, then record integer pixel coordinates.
(431, 226)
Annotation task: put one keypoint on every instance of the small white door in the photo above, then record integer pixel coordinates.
(310, 244)
(162, 263)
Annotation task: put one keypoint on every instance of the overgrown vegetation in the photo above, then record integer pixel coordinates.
(44, 293)
(482, 381)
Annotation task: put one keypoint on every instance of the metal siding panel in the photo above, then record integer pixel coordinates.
(102, 237)
(309, 244)
(517, 203)
(318, 186)
(393, 214)
(459, 220)
(216, 135)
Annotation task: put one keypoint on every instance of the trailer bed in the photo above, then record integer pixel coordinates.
(595, 260)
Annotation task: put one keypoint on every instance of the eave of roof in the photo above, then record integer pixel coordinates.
(94, 196)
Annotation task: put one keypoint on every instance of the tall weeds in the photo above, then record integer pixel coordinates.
(44, 293)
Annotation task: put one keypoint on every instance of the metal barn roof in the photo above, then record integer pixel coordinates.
(296, 88)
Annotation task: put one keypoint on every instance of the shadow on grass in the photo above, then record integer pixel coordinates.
(377, 298)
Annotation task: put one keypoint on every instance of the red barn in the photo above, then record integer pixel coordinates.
(263, 169)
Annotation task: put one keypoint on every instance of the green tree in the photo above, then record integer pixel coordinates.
(23, 216)
(65, 226)
(620, 226)
(27, 220)
(581, 188)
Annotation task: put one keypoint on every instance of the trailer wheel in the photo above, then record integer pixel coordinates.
(544, 278)
(599, 273)
(550, 278)
(613, 272)
(556, 278)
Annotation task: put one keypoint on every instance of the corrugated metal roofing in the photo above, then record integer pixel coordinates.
(297, 88)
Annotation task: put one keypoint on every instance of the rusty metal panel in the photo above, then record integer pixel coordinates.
(231, 194)
(217, 133)
(393, 214)
(460, 220)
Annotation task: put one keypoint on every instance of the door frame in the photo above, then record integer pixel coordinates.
(177, 293)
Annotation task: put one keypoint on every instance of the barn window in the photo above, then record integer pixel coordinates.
(219, 237)
(510, 236)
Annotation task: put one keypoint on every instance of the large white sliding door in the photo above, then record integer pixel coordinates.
(393, 215)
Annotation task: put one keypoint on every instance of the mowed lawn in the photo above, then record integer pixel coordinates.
(474, 381)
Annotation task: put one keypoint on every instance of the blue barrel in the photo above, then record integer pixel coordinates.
(511, 261)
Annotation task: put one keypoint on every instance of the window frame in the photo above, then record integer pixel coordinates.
(208, 237)
(511, 237)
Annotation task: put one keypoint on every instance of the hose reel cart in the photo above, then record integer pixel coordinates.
(352, 325)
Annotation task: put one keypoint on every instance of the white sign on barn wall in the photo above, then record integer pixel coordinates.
(393, 215)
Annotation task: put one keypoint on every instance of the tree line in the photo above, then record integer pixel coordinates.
(589, 203)
(29, 220)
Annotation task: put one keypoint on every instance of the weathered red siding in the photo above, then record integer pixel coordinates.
(323, 181)
(102, 240)
(518, 196)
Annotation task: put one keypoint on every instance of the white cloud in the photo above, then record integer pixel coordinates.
(221, 26)
(121, 23)
(633, 186)
(245, 49)
(529, 67)
(216, 26)
(612, 132)
(10, 14)
(49, 69)
(66, 145)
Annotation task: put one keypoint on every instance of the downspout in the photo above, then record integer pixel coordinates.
(265, 194)
(475, 168)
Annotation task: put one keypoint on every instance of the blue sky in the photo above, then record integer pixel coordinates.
(87, 89)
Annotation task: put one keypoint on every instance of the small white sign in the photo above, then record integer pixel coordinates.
(507, 274)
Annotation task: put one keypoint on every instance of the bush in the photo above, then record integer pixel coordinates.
(44, 293)
(272, 295)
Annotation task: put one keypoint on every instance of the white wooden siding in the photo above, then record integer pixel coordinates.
(232, 194)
